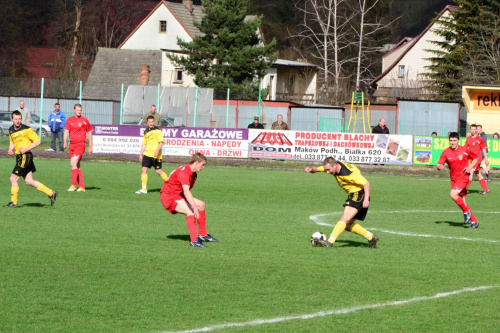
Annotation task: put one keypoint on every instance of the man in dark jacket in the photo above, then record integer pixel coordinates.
(380, 128)
(256, 123)
(57, 121)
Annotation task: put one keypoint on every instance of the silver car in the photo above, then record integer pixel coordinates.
(6, 123)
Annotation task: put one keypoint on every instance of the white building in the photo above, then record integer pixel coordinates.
(287, 80)
(402, 68)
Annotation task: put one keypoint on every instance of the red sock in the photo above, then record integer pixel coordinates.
(80, 178)
(74, 177)
(473, 217)
(191, 224)
(460, 202)
(470, 182)
(202, 223)
(483, 184)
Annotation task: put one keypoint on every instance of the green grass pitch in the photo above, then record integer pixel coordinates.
(109, 260)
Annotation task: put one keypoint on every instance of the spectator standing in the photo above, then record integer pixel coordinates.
(76, 129)
(152, 112)
(279, 124)
(496, 136)
(484, 157)
(57, 121)
(434, 134)
(256, 123)
(25, 113)
(380, 128)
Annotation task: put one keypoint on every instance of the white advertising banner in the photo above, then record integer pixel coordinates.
(316, 146)
(253, 143)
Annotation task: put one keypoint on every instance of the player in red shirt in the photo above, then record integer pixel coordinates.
(457, 158)
(176, 197)
(476, 144)
(77, 128)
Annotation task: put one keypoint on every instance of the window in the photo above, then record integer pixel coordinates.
(178, 75)
(163, 26)
(401, 71)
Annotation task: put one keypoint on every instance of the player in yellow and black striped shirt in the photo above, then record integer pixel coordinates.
(357, 188)
(22, 140)
(150, 155)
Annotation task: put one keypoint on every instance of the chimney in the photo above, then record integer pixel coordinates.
(145, 74)
(188, 4)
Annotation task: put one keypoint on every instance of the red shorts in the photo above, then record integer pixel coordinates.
(170, 202)
(460, 185)
(76, 150)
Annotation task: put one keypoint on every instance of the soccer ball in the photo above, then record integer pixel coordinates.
(317, 236)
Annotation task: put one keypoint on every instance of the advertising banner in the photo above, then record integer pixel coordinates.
(211, 142)
(114, 139)
(316, 146)
(178, 141)
(428, 150)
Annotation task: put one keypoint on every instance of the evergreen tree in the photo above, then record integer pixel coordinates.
(470, 50)
(230, 53)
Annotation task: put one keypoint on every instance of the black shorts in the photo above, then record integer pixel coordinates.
(24, 165)
(355, 200)
(149, 162)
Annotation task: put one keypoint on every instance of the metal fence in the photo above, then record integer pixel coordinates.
(407, 117)
(98, 112)
(425, 117)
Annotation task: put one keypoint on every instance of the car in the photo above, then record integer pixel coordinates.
(6, 123)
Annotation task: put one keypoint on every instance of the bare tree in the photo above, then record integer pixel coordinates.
(323, 36)
(365, 30)
(76, 32)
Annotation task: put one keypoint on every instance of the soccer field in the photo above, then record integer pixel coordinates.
(109, 260)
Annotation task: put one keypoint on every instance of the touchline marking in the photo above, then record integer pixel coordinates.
(332, 312)
(435, 236)
(318, 217)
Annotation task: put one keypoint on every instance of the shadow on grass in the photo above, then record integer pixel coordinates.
(155, 190)
(474, 191)
(34, 204)
(350, 243)
(92, 188)
(451, 223)
(180, 237)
